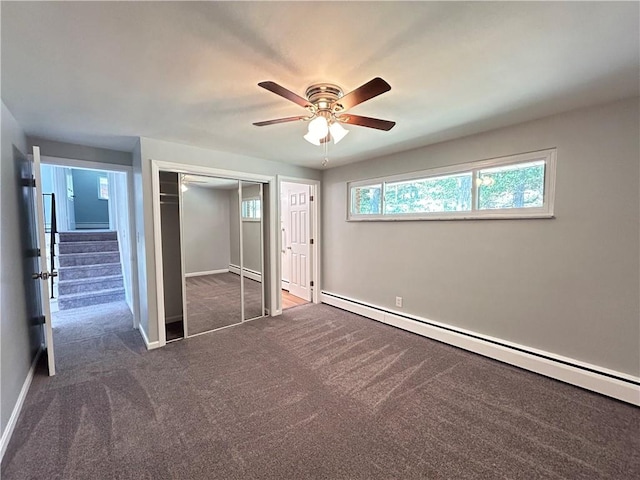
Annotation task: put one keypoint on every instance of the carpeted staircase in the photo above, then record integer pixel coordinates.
(90, 272)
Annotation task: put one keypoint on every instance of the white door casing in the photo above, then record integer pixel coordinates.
(299, 241)
(42, 261)
(285, 253)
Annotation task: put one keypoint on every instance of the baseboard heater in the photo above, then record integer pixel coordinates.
(591, 377)
(247, 272)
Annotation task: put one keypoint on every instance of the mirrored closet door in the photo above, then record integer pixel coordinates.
(213, 252)
(213, 293)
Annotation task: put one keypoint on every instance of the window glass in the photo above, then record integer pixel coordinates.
(251, 209)
(511, 186)
(450, 193)
(103, 188)
(366, 200)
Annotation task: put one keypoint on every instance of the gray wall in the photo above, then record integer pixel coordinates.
(149, 149)
(568, 285)
(18, 342)
(142, 194)
(90, 211)
(52, 148)
(250, 231)
(205, 229)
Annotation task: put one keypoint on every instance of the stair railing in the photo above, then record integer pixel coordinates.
(52, 230)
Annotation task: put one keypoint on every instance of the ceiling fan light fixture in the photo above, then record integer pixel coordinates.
(318, 127)
(311, 138)
(338, 132)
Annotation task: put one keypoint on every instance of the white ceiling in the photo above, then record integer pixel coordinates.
(102, 74)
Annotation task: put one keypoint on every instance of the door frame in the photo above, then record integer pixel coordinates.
(161, 165)
(128, 171)
(315, 229)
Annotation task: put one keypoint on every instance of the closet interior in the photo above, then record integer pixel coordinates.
(212, 234)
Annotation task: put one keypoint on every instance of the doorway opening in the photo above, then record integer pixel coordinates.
(297, 242)
(88, 243)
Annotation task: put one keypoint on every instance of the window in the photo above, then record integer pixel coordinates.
(103, 188)
(251, 209)
(519, 186)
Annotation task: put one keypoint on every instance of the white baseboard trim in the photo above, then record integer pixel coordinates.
(252, 274)
(148, 344)
(608, 382)
(13, 419)
(208, 272)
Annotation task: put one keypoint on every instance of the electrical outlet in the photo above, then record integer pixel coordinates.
(398, 301)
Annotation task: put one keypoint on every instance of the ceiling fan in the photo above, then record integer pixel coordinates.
(326, 104)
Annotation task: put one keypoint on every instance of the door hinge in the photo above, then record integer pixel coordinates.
(311, 198)
(311, 242)
(29, 182)
(311, 283)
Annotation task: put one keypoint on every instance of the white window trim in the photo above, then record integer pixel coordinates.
(546, 211)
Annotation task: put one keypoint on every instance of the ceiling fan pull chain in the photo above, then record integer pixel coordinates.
(325, 161)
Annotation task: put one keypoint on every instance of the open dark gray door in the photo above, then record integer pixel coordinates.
(36, 273)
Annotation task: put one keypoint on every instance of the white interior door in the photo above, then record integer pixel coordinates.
(42, 275)
(299, 226)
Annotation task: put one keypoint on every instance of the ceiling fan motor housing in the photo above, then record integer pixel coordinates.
(323, 95)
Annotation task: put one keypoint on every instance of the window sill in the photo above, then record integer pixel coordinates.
(488, 216)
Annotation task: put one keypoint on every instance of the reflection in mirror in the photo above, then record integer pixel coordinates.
(251, 219)
(212, 290)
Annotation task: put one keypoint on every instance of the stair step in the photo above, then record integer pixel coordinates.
(85, 285)
(89, 271)
(92, 258)
(87, 236)
(88, 247)
(93, 298)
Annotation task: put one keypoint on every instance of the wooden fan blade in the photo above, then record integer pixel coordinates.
(377, 123)
(371, 89)
(283, 92)
(280, 120)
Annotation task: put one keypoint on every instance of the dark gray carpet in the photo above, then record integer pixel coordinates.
(316, 393)
(213, 301)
